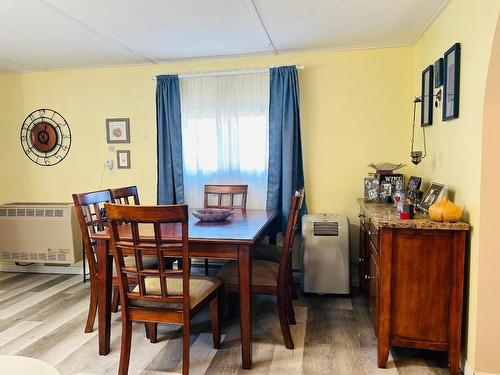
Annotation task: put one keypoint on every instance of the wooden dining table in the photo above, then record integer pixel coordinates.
(231, 239)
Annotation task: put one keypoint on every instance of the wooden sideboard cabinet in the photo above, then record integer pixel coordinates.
(413, 274)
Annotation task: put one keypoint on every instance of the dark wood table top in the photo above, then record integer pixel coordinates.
(244, 226)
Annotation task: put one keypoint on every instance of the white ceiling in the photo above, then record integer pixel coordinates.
(64, 34)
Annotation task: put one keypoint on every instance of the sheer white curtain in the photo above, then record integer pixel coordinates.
(225, 122)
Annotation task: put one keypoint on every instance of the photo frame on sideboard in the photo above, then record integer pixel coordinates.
(431, 196)
(414, 183)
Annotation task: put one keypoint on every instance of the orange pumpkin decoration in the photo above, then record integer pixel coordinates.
(445, 210)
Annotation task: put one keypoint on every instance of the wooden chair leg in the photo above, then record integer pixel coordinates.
(293, 291)
(215, 318)
(125, 348)
(115, 299)
(89, 326)
(206, 267)
(152, 332)
(290, 311)
(285, 328)
(186, 343)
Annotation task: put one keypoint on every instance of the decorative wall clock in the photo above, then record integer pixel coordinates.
(45, 137)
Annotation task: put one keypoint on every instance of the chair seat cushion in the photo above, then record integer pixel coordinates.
(271, 253)
(263, 273)
(199, 288)
(149, 261)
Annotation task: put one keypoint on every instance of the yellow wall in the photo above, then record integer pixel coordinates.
(354, 105)
(454, 147)
(356, 108)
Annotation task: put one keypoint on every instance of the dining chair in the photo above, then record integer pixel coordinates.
(224, 196)
(272, 253)
(161, 295)
(91, 218)
(124, 195)
(271, 277)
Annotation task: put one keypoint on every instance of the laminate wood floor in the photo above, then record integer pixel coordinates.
(43, 316)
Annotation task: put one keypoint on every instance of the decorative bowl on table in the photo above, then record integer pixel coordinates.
(212, 214)
(386, 168)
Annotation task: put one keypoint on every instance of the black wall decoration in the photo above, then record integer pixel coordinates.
(438, 72)
(427, 96)
(451, 82)
(45, 137)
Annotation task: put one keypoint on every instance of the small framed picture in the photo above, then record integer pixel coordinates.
(118, 130)
(414, 183)
(431, 196)
(438, 73)
(371, 188)
(427, 96)
(385, 190)
(123, 159)
(451, 82)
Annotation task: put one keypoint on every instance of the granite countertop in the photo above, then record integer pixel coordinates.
(385, 215)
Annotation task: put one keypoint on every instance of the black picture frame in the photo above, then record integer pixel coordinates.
(438, 73)
(431, 196)
(451, 83)
(427, 96)
(414, 183)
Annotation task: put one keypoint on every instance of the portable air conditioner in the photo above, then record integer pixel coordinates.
(326, 254)
(39, 233)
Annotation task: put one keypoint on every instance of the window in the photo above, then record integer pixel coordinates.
(225, 134)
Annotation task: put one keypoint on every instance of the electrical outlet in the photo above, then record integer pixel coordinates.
(109, 164)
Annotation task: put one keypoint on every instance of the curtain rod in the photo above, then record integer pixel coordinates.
(226, 72)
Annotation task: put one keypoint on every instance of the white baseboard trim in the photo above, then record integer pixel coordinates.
(465, 367)
(74, 269)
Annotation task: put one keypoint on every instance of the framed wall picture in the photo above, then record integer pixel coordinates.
(123, 159)
(451, 82)
(431, 196)
(118, 130)
(438, 73)
(427, 91)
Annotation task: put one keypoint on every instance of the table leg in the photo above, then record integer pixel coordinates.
(245, 272)
(104, 276)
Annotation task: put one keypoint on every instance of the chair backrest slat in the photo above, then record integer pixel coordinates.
(291, 228)
(124, 195)
(230, 191)
(126, 223)
(91, 218)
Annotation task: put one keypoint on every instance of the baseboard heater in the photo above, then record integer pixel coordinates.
(39, 232)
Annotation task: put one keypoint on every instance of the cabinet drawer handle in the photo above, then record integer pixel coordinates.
(368, 277)
(360, 260)
(370, 232)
